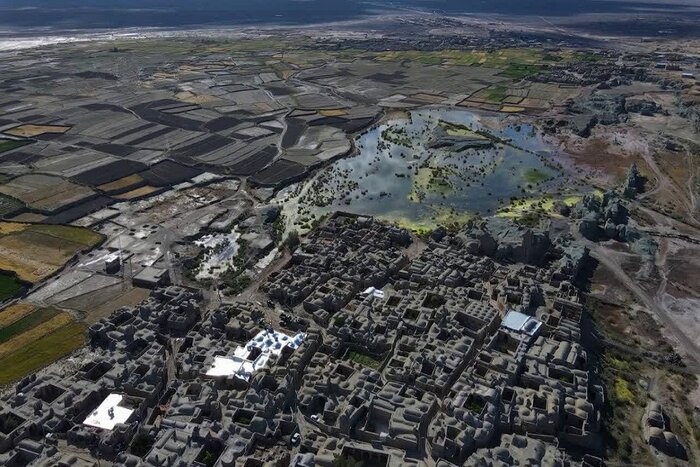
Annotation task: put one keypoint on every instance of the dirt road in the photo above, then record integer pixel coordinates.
(606, 258)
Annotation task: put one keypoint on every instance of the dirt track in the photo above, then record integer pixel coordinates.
(607, 260)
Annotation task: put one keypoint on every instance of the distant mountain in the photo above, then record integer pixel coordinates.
(96, 14)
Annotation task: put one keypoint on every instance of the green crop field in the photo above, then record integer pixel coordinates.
(9, 286)
(520, 70)
(26, 323)
(496, 93)
(8, 204)
(9, 144)
(41, 352)
(73, 234)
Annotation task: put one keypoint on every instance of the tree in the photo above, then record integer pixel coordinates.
(292, 240)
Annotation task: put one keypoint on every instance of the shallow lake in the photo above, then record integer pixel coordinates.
(406, 170)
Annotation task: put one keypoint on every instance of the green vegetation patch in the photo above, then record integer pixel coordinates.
(207, 458)
(441, 216)
(618, 363)
(520, 70)
(26, 323)
(499, 59)
(72, 234)
(475, 406)
(235, 280)
(433, 180)
(623, 393)
(364, 359)
(398, 136)
(456, 129)
(41, 352)
(9, 286)
(426, 58)
(536, 176)
(529, 211)
(339, 321)
(10, 144)
(496, 94)
(583, 57)
(9, 205)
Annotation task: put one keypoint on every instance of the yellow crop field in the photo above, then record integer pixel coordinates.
(512, 109)
(138, 192)
(29, 131)
(35, 251)
(122, 183)
(333, 113)
(11, 227)
(41, 352)
(14, 313)
(21, 340)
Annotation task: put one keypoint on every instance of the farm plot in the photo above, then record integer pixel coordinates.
(123, 184)
(25, 323)
(279, 172)
(37, 338)
(34, 252)
(9, 286)
(9, 205)
(109, 172)
(10, 144)
(74, 163)
(78, 211)
(19, 157)
(30, 131)
(254, 162)
(45, 193)
(168, 173)
(137, 193)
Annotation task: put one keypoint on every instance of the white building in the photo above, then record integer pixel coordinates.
(258, 353)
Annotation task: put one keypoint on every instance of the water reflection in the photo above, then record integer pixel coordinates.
(405, 171)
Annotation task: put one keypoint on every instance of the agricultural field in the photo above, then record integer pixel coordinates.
(137, 193)
(30, 131)
(9, 205)
(31, 338)
(519, 96)
(35, 251)
(10, 144)
(121, 185)
(9, 286)
(503, 58)
(45, 193)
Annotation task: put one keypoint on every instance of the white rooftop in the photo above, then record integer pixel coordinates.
(373, 291)
(224, 366)
(109, 413)
(238, 365)
(521, 322)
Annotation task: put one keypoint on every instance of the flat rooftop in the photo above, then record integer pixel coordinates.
(269, 342)
(521, 322)
(109, 413)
